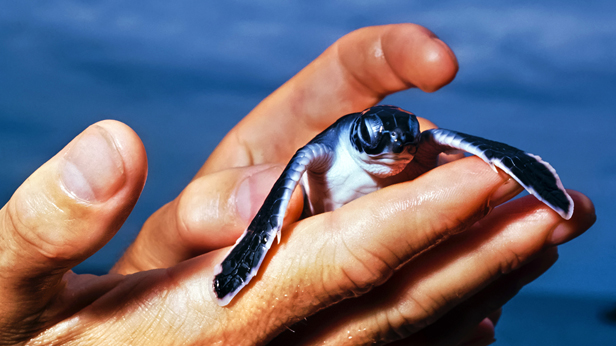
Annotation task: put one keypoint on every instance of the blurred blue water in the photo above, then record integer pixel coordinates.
(542, 319)
(541, 76)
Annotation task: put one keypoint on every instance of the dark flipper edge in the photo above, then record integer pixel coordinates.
(534, 174)
(246, 256)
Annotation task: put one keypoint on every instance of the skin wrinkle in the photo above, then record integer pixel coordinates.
(51, 206)
(155, 261)
(323, 267)
(294, 263)
(18, 222)
(401, 325)
(206, 321)
(32, 244)
(191, 216)
(374, 279)
(9, 244)
(79, 292)
(381, 274)
(475, 257)
(183, 230)
(269, 328)
(439, 304)
(66, 330)
(242, 143)
(391, 268)
(303, 285)
(333, 298)
(510, 262)
(216, 205)
(152, 306)
(406, 84)
(356, 289)
(197, 290)
(272, 323)
(174, 317)
(22, 330)
(347, 252)
(383, 325)
(306, 303)
(410, 204)
(106, 296)
(416, 318)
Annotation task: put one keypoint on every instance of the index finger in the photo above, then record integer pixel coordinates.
(356, 72)
(326, 258)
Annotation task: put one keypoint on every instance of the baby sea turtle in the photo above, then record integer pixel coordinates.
(363, 152)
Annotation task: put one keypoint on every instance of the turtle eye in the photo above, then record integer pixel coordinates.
(364, 132)
(370, 131)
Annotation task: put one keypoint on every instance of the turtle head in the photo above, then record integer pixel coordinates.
(385, 139)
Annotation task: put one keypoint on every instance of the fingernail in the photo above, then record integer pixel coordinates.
(560, 234)
(252, 191)
(93, 169)
(583, 217)
(482, 335)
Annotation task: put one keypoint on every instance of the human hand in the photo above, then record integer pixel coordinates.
(350, 76)
(356, 253)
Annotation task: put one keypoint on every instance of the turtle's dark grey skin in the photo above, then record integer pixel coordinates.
(363, 152)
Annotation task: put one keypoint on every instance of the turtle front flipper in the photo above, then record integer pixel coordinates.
(534, 174)
(246, 256)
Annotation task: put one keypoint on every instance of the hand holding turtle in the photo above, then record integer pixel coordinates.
(336, 83)
(321, 260)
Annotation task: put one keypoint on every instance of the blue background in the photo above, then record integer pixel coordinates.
(540, 76)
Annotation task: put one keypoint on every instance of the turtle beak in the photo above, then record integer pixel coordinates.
(397, 141)
(400, 140)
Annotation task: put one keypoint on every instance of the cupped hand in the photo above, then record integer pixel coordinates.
(354, 73)
(408, 262)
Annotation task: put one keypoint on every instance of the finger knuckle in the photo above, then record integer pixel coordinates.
(364, 267)
(29, 224)
(410, 315)
(187, 213)
(510, 260)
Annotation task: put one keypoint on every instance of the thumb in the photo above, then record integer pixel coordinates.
(63, 213)
(211, 213)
